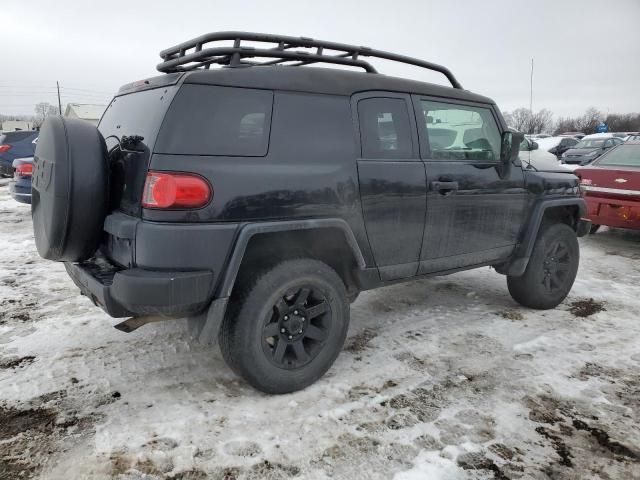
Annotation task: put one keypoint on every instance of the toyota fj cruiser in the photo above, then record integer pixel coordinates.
(259, 198)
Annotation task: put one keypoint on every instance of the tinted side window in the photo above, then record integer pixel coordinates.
(385, 128)
(571, 141)
(461, 132)
(210, 120)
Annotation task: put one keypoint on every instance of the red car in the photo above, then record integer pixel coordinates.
(611, 187)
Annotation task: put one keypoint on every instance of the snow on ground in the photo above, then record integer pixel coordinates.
(445, 378)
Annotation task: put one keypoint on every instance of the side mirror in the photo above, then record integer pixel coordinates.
(533, 146)
(510, 147)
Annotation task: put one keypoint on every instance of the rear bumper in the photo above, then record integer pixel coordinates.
(613, 212)
(20, 193)
(136, 291)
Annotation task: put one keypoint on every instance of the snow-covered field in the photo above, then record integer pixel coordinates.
(444, 378)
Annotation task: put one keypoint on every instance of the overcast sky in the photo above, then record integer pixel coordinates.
(587, 53)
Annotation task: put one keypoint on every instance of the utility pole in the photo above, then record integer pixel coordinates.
(531, 98)
(59, 102)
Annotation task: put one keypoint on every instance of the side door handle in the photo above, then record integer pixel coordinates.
(444, 188)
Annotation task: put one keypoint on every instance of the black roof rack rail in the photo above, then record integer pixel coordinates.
(194, 54)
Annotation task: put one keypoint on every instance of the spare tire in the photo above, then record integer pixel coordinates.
(69, 189)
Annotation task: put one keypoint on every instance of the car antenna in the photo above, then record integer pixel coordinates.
(530, 106)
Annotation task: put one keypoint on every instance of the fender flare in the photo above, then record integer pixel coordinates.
(520, 260)
(226, 283)
(205, 326)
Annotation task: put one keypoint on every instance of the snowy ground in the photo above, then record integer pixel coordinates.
(440, 379)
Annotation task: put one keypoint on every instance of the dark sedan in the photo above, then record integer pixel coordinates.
(588, 149)
(20, 186)
(14, 145)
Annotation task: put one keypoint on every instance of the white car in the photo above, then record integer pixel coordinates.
(539, 158)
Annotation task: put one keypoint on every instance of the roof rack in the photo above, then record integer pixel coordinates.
(192, 54)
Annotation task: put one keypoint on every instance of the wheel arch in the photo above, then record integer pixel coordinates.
(564, 210)
(256, 239)
(320, 238)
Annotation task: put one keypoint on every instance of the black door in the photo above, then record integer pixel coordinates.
(392, 182)
(474, 206)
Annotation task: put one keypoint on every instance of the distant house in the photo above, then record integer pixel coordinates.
(14, 125)
(85, 111)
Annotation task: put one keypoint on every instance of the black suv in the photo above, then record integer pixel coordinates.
(259, 198)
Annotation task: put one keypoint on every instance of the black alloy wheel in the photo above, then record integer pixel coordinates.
(295, 332)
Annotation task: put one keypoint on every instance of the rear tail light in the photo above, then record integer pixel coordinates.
(5, 148)
(175, 191)
(24, 170)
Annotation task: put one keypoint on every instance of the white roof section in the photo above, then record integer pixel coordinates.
(85, 111)
(599, 135)
(548, 143)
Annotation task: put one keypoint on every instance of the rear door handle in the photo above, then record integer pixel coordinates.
(444, 188)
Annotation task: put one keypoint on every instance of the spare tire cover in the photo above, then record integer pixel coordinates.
(69, 189)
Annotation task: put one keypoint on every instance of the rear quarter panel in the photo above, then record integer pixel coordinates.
(309, 170)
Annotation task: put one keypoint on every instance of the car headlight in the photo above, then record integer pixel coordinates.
(592, 154)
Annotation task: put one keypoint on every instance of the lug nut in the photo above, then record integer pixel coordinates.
(290, 337)
(282, 330)
(295, 312)
(286, 317)
(300, 331)
(302, 319)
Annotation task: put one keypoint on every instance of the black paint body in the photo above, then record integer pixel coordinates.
(402, 218)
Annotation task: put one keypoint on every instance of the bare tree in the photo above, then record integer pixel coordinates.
(522, 120)
(44, 110)
(518, 119)
(590, 120)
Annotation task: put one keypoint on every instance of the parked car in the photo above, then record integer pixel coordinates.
(538, 158)
(588, 149)
(611, 187)
(557, 145)
(578, 135)
(20, 185)
(259, 201)
(19, 144)
(633, 138)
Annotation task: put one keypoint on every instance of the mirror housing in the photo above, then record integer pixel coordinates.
(510, 146)
(533, 146)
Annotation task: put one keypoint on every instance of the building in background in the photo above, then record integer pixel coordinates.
(15, 125)
(85, 111)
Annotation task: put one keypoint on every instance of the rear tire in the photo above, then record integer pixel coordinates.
(285, 325)
(551, 270)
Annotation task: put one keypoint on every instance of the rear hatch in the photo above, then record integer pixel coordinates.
(138, 113)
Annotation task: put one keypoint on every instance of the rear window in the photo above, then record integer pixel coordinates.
(212, 120)
(622, 156)
(139, 113)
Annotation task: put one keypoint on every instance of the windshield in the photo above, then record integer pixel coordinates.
(592, 143)
(623, 156)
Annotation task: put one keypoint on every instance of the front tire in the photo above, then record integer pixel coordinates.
(551, 270)
(285, 325)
